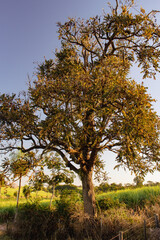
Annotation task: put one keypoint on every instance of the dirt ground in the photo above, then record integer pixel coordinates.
(3, 229)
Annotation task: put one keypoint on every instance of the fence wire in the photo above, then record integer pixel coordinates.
(115, 237)
(138, 232)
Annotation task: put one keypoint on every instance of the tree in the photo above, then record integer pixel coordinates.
(138, 180)
(59, 173)
(26, 191)
(37, 181)
(17, 166)
(52, 171)
(2, 181)
(84, 102)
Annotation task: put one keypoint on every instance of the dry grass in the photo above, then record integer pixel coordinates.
(67, 221)
(79, 226)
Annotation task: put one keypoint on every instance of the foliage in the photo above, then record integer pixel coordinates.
(18, 164)
(3, 181)
(35, 222)
(79, 226)
(88, 102)
(59, 173)
(7, 213)
(67, 201)
(138, 180)
(67, 221)
(26, 191)
(65, 187)
(37, 180)
(8, 203)
(106, 187)
(106, 203)
(52, 172)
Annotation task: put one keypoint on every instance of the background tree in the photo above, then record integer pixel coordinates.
(26, 191)
(59, 173)
(138, 180)
(89, 103)
(37, 181)
(3, 181)
(17, 166)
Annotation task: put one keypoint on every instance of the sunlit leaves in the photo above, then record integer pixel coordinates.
(120, 33)
(83, 102)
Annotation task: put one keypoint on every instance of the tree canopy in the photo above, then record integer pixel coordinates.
(83, 102)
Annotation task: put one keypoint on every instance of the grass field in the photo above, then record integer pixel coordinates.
(8, 192)
(119, 210)
(8, 201)
(133, 198)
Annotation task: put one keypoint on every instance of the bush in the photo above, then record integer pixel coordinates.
(35, 222)
(106, 203)
(7, 214)
(66, 203)
(15, 194)
(26, 191)
(67, 187)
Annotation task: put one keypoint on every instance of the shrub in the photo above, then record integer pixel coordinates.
(7, 213)
(26, 191)
(35, 222)
(66, 203)
(106, 203)
(67, 187)
(15, 194)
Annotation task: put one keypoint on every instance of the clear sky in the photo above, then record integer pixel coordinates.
(28, 33)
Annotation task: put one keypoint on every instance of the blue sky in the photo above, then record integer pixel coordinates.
(28, 33)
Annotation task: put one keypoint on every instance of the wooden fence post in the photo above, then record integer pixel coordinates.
(121, 235)
(157, 220)
(145, 230)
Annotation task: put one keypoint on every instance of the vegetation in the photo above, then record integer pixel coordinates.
(81, 103)
(138, 180)
(88, 101)
(2, 181)
(132, 198)
(26, 191)
(8, 202)
(119, 210)
(17, 166)
(59, 173)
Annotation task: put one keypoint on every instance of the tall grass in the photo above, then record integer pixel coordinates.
(133, 198)
(8, 201)
(67, 221)
(39, 223)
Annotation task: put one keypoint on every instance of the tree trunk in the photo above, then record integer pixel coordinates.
(88, 193)
(18, 195)
(53, 194)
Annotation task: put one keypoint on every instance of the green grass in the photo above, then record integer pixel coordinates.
(9, 193)
(8, 201)
(133, 198)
